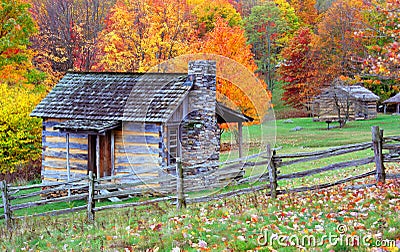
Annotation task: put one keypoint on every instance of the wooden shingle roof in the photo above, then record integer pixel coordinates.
(359, 93)
(394, 99)
(225, 114)
(94, 126)
(355, 91)
(114, 96)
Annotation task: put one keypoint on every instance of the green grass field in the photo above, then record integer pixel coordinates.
(236, 224)
(315, 134)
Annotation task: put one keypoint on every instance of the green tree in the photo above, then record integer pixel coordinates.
(265, 26)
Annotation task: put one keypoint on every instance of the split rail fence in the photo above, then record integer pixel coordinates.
(90, 190)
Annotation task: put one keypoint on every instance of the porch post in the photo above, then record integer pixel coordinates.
(98, 156)
(398, 108)
(240, 132)
(68, 165)
(112, 153)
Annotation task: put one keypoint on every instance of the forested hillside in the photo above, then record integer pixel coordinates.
(300, 44)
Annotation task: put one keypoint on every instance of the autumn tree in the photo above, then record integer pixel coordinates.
(207, 13)
(231, 42)
(20, 134)
(381, 34)
(264, 27)
(298, 70)
(20, 89)
(291, 19)
(16, 27)
(306, 10)
(341, 52)
(141, 34)
(68, 32)
(243, 7)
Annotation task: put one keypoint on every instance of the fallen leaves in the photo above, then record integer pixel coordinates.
(236, 223)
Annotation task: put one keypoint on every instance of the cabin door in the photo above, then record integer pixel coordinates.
(99, 154)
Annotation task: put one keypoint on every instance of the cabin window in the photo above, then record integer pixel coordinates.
(173, 144)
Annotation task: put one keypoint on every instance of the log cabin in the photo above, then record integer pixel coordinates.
(130, 123)
(360, 102)
(395, 100)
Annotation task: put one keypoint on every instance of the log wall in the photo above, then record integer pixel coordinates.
(325, 109)
(138, 149)
(54, 155)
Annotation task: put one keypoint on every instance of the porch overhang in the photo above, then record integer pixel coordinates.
(228, 115)
(95, 127)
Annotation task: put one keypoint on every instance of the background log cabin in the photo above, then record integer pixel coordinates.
(360, 102)
(395, 100)
(129, 123)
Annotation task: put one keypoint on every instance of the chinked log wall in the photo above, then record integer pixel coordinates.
(327, 110)
(138, 149)
(228, 169)
(54, 157)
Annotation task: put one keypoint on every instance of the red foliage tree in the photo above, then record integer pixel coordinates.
(298, 70)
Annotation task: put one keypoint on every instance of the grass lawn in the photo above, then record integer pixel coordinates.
(365, 218)
(315, 134)
(238, 224)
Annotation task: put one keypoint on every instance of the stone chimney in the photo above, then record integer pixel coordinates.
(199, 130)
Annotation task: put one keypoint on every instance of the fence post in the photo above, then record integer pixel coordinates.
(377, 139)
(6, 204)
(181, 202)
(272, 172)
(90, 202)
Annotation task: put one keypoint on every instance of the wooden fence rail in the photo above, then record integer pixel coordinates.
(89, 188)
(379, 158)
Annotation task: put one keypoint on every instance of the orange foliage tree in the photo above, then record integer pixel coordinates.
(231, 42)
(341, 52)
(306, 11)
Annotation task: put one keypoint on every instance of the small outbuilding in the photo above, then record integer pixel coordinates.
(129, 123)
(360, 103)
(393, 100)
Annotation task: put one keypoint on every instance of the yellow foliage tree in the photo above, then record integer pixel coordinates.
(207, 13)
(20, 134)
(141, 34)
